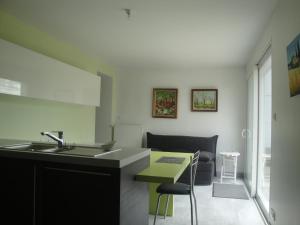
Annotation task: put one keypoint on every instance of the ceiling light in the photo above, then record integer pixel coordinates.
(128, 12)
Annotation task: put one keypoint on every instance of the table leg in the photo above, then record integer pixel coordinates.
(153, 200)
(235, 168)
(222, 168)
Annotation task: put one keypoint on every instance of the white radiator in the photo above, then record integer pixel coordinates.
(128, 135)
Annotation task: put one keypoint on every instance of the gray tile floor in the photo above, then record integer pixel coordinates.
(213, 211)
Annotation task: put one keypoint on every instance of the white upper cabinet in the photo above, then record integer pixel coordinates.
(27, 73)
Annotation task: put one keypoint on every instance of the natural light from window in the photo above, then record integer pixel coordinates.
(10, 87)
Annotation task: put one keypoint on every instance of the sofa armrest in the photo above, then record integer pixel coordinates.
(206, 156)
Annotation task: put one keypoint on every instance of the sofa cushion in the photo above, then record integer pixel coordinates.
(205, 156)
(204, 174)
(175, 143)
(205, 166)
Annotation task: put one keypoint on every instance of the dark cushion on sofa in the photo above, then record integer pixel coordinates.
(175, 143)
(204, 175)
(205, 156)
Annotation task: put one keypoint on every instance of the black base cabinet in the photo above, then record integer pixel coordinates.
(16, 191)
(51, 193)
(68, 195)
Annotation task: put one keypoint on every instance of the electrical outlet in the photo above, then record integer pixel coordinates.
(273, 215)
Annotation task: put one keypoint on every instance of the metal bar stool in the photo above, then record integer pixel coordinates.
(180, 189)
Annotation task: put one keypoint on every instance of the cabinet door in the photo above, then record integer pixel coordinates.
(17, 191)
(31, 74)
(77, 197)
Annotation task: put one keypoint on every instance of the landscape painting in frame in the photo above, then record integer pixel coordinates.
(204, 100)
(164, 103)
(293, 51)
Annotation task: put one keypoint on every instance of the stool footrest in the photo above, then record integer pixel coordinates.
(228, 176)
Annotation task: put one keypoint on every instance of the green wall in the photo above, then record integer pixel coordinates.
(24, 118)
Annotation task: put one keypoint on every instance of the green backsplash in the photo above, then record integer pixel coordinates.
(24, 118)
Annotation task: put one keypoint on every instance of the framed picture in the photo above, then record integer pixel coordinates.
(164, 103)
(293, 52)
(204, 100)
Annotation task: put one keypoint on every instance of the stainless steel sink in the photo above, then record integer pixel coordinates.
(76, 150)
(36, 147)
(89, 151)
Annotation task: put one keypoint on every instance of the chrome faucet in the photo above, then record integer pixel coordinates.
(59, 139)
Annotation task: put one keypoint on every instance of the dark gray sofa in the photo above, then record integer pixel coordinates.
(207, 145)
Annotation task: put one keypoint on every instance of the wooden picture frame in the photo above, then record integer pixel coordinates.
(293, 54)
(204, 100)
(164, 103)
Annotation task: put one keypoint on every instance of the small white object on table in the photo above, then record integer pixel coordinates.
(229, 156)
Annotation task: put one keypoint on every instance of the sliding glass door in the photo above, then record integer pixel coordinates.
(264, 132)
(251, 133)
(258, 133)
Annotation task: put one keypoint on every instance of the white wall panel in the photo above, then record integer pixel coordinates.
(134, 98)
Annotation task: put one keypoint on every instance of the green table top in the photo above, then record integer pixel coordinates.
(164, 172)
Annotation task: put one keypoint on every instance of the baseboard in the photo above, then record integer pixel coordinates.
(239, 175)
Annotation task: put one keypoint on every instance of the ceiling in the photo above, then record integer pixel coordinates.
(158, 33)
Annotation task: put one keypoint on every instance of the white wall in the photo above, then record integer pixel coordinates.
(285, 166)
(134, 102)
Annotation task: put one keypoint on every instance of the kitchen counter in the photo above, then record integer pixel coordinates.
(76, 185)
(115, 158)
